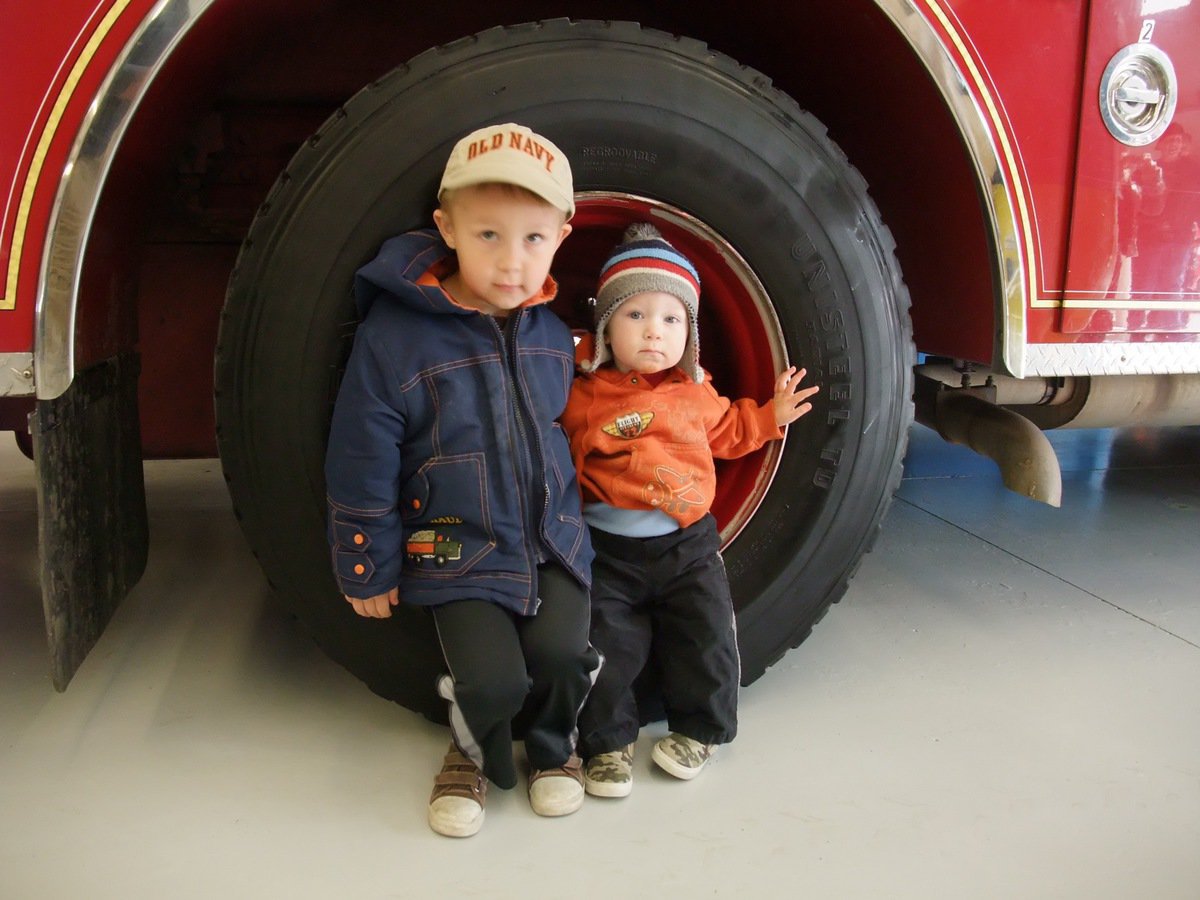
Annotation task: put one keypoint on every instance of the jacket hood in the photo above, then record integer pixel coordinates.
(401, 261)
(398, 270)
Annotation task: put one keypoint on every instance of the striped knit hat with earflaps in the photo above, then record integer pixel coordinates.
(644, 261)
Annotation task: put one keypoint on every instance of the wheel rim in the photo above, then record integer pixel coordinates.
(741, 341)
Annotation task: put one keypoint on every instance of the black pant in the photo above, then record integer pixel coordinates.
(501, 662)
(666, 600)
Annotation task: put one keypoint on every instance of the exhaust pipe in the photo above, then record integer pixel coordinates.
(1002, 417)
(1027, 462)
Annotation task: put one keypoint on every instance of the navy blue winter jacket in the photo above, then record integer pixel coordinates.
(447, 472)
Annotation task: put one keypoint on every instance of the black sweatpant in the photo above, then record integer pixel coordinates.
(501, 663)
(666, 600)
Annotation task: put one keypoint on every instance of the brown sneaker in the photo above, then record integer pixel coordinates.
(459, 792)
(557, 792)
(610, 774)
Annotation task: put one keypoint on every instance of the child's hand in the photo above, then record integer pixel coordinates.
(377, 607)
(789, 397)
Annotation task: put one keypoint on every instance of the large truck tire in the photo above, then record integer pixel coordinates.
(797, 262)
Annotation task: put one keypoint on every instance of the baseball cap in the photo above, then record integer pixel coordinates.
(511, 154)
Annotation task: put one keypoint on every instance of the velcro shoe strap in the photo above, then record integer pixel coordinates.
(572, 768)
(457, 777)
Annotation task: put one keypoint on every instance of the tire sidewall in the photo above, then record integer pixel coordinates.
(634, 113)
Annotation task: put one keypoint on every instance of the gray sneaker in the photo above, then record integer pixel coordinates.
(681, 756)
(610, 774)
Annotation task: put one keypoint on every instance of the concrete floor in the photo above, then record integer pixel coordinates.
(1003, 705)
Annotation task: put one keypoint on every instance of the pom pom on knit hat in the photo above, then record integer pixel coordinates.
(643, 262)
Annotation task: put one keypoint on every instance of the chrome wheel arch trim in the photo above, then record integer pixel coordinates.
(1003, 203)
(84, 176)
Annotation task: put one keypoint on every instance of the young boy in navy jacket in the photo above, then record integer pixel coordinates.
(450, 483)
(645, 424)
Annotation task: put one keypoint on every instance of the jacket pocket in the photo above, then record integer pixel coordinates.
(679, 481)
(564, 528)
(562, 469)
(447, 519)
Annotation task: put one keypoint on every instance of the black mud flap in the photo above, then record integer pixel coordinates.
(92, 529)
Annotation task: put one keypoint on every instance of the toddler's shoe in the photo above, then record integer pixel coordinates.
(682, 756)
(459, 792)
(557, 792)
(610, 774)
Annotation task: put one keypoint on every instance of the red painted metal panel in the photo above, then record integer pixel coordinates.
(1030, 56)
(54, 65)
(1023, 66)
(1134, 261)
(1039, 70)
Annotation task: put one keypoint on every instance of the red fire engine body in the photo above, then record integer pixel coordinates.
(1011, 189)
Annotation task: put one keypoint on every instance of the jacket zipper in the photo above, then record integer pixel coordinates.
(533, 455)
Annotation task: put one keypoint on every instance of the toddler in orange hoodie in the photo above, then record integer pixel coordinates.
(645, 425)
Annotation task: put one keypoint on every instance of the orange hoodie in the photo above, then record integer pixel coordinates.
(637, 446)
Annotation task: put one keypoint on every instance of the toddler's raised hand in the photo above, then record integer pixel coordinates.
(790, 397)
